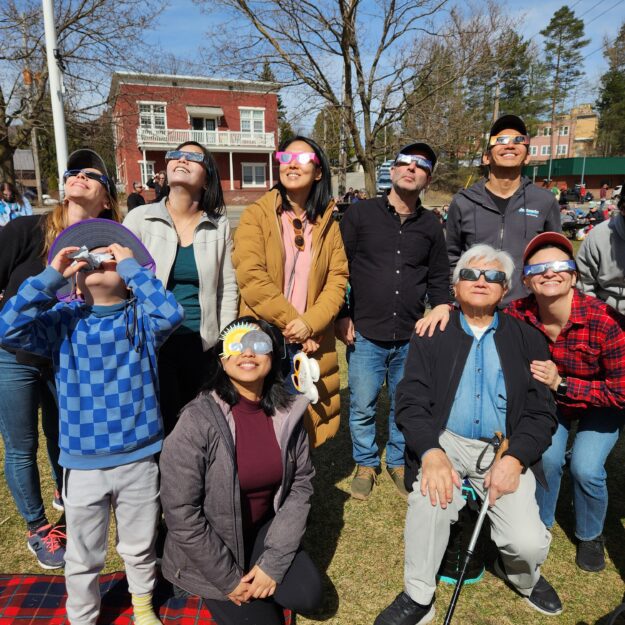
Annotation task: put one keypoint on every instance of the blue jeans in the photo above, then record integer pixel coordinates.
(370, 364)
(597, 433)
(23, 388)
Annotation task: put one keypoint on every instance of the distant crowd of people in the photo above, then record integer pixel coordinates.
(185, 374)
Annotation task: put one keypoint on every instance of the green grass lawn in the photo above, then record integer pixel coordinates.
(359, 546)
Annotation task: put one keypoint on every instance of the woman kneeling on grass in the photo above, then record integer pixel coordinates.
(236, 482)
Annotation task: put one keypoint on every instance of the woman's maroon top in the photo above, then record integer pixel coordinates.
(259, 465)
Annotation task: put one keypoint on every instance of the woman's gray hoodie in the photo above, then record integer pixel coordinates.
(202, 505)
(474, 218)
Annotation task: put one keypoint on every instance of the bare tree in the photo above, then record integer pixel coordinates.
(357, 57)
(94, 37)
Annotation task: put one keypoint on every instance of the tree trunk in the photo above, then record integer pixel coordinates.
(7, 170)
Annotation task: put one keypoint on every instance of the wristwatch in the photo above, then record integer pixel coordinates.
(561, 390)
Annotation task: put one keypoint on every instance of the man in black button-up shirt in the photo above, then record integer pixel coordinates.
(397, 254)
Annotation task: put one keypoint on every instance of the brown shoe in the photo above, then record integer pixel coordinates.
(363, 482)
(397, 475)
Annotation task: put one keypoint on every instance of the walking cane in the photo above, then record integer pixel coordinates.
(501, 445)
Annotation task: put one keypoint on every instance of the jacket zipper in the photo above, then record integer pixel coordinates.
(503, 220)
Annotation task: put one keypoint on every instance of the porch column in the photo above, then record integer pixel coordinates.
(270, 170)
(231, 171)
(144, 169)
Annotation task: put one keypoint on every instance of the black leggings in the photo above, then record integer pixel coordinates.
(181, 368)
(299, 591)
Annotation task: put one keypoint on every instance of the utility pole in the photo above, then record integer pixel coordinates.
(56, 91)
(342, 178)
(28, 81)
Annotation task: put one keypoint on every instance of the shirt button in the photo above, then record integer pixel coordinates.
(397, 271)
(396, 292)
(398, 252)
(400, 232)
(479, 371)
(394, 314)
(478, 395)
(477, 420)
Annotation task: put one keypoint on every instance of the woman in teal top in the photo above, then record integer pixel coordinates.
(189, 237)
(12, 204)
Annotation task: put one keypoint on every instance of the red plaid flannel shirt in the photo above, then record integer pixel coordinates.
(589, 352)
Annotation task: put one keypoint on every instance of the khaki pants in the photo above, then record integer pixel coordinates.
(516, 528)
(132, 491)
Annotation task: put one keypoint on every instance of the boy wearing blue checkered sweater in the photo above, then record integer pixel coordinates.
(104, 351)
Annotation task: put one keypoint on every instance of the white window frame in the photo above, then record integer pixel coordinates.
(153, 127)
(545, 150)
(563, 131)
(547, 131)
(251, 110)
(144, 167)
(562, 149)
(533, 150)
(215, 120)
(254, 184)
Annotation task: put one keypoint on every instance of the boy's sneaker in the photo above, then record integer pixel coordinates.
(48, 545)
(590, 555)
(57, 501)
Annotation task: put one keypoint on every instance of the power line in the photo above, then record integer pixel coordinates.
(604, 12)
(591, 8)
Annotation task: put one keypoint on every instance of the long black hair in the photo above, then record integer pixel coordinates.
(321, 192)
(212, 200)
(274, 394)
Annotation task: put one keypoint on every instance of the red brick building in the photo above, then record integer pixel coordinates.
(237, 120)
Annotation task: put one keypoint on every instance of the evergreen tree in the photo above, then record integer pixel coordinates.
(285, 130)
(611, 102)
(564, 40)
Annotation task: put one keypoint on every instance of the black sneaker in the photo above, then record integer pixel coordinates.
(543, 599)
(590, 556)
(405, 611)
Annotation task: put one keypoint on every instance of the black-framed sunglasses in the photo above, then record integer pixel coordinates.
(490, 275)
(92, 175)
(176, 155)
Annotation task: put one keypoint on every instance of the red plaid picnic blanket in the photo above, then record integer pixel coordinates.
(40, 599)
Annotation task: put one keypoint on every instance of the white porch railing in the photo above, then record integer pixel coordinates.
(211, 138)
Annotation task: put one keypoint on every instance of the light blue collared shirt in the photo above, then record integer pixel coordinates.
(479, 408)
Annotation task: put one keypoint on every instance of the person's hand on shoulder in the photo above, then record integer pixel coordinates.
(439, 315)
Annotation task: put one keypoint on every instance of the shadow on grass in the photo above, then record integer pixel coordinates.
(333, 462)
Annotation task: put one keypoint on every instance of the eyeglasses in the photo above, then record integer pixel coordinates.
(243, 336)
(555, 265)
(419, 161)
(298, 229)
(509, 140)
(490, 275)
(92, 175)
(176, 155)
(303, 158)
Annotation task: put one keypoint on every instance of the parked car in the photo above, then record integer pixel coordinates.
(383, 183)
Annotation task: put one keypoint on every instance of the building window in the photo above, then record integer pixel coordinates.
(147, 171)
(533, 150)
(545, 150)
(562, 150)
(152, 116)
(253, 175)
(252, 120)
(547, 131)
(564, 131)
(201, 123)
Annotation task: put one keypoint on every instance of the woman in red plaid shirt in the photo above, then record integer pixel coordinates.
(587, 374)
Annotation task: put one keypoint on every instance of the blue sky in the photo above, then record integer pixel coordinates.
(181, 30)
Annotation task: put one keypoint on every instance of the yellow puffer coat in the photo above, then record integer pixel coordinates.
(258, 259)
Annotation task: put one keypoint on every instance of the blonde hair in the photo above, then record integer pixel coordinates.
(55, 222)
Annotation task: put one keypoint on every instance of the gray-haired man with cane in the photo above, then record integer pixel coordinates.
(461, 386)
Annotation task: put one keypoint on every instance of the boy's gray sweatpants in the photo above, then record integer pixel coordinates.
(132, 491)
